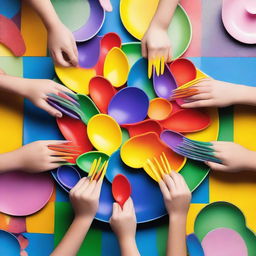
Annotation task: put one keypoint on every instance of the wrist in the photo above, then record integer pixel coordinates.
(244, 95)
(177, 217)
(83, 219)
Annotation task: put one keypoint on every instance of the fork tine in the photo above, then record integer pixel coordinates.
(104, 171)
(96, 169)
(92, 167)
(167, 163)
(149, 171)
(100, 170)
(159, 167)
(154, 170)
(164, 164)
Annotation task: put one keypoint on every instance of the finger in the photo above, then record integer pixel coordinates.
(199, 96)
(164, 189)
(97, 188)
(51, 110)
(72, 57)
(62, 88)
(59, 59)
(90, 187)
(169, 183)
(144, 50)
(198, 104)
(75, 47)
(217, 167)
(115, 210)
(176, 178)
(79, 184)
(128, 205)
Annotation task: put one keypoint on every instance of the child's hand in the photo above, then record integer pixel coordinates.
(62, 46)
(234, 157)
(37, 157)
(36, 90)
(213, 93)
(156, 44)
(85, 198)
(176, 194)
(123, 221)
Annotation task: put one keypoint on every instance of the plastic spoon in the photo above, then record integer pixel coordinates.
(116, 67)
(101, 92)
(121, 189)
(164, 84)
(68, 176)
(87, 107)
(129, 105)
(108, 41)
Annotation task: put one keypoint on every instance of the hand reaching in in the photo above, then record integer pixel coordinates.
(36, 90)
(62, 46)
(234, 157)
(85, 198)
(37, 157)
(214, 93)
(176, 194)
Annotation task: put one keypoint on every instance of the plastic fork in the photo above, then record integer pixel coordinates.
(157, 168)
(97, 170)
(158, 64)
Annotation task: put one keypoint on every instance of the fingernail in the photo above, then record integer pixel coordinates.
(58, 115)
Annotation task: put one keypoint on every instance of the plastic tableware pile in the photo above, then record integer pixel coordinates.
(117, 113)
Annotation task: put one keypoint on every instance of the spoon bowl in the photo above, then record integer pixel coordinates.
(183, 71)
(159, 109)
(108, 41)
(104, 133)
(164, 84)
(145, 126)
(138, 78)
(138, 149)
(68, 176)
(121, 189)
(85, 160)
(75, 131)
(116, 67)
(129, 105)
(88, 107)
(187, 120)
(76, 79)
(101, 92)
(89, 52)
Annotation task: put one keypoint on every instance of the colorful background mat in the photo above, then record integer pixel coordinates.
(212, 50)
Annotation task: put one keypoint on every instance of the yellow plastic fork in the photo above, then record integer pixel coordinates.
(159, 65)
(96, 172)
(156, 169)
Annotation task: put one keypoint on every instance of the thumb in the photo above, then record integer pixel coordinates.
(216, 166)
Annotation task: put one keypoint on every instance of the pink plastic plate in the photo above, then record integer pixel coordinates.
(239, 20)
(23, 193)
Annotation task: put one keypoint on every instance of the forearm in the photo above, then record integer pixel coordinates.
(13, 84)
(45, 10)
(10, 162)
(128, 247)
(164, 13)
(74, 237)
(177, 236)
